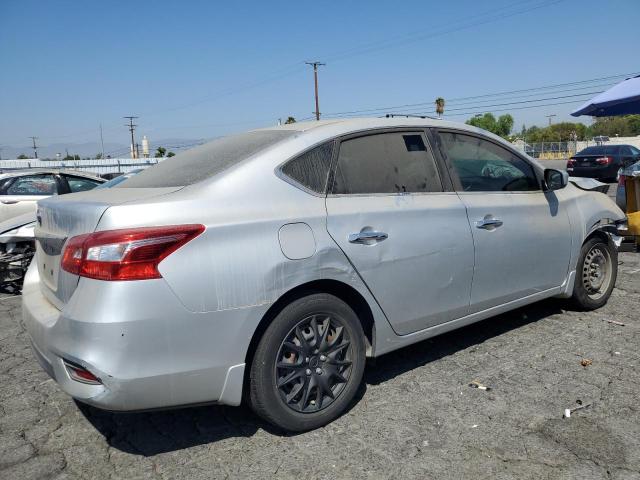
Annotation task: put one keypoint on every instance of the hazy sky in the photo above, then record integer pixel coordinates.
(193, 69)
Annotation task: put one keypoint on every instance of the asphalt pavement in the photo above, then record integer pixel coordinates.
(415, 417)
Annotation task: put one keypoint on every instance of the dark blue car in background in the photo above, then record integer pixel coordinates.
(603, 162)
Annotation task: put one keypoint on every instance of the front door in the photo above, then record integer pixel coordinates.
(521, 234)
(408, 240)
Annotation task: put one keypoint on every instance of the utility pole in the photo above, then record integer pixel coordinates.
(35, 148)
(132, 127)
(101, 141)
(315, 66)
(550, 117)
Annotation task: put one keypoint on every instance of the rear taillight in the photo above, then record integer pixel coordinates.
(604, 160)
(131, 254)
(571, 162)
(621, 180)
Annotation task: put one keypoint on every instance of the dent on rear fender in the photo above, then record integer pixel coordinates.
(245, 266)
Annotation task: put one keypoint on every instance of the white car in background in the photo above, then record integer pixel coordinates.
(21, 190)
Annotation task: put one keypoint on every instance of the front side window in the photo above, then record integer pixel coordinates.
(79, 184)
(311, 169)
(386, 163)
(33, 185)
(483, 166)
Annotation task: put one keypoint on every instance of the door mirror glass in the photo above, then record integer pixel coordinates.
(555, 179)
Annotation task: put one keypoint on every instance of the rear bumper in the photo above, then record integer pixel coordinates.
(140, 341)
(594, 172)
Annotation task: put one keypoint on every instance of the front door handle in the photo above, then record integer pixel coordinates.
(367, 237)
(489, 223)
(10, 202)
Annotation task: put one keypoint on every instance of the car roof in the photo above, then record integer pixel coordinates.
(344, 126)
(31, 171)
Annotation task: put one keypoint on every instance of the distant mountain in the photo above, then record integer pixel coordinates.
(91, 149)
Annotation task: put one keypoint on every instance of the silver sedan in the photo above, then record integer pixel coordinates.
(268, 265)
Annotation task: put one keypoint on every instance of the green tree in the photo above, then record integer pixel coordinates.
(440, 106)
(290, 120)
(160, 152)
(22, 156)
(624, 126)
(502, 126)
(171, 154)
(98, 156)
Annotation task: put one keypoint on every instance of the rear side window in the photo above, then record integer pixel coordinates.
(206, 160)
(79, 184)
(311, 169)
(386, 163)
(483, 166)
(33, 185)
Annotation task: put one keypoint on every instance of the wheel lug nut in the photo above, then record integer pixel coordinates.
(318, 371)
(308, 371)
(322, 358)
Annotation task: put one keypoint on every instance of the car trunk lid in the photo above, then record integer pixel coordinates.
(60, 218)
(590, 161)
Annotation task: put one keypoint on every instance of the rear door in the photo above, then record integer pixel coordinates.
(521, 234)
(407, 238)
(20, 195)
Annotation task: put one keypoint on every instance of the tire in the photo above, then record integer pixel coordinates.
(596, 274)
(298, 367)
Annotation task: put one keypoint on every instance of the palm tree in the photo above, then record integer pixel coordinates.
(439, 106)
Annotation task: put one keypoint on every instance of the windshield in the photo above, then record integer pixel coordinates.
(206, 160)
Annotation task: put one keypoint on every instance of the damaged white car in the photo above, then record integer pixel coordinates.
(268, 265)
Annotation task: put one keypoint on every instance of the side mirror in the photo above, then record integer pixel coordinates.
(555, 179)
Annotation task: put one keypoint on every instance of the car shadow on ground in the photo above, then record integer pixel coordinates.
(151, 433)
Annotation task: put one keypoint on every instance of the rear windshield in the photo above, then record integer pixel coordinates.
(206, 160)
(601, 150)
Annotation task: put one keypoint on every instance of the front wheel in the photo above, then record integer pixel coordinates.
(596, 274)
(309, 364)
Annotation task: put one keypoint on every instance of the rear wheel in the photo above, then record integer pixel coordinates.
(309, 363)
(596, 274)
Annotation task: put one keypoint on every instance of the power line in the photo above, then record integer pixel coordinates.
(527, 101)
(488, 95)
(416, 36)
(515, 108)
(366, 49)
(490, 107)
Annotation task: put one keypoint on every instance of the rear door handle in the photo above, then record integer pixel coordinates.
(489, 223)
(10, 202)
(367, 237)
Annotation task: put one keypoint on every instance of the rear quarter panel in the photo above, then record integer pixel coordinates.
(238, 261)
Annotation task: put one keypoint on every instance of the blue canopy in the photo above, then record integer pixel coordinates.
(621, 99)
